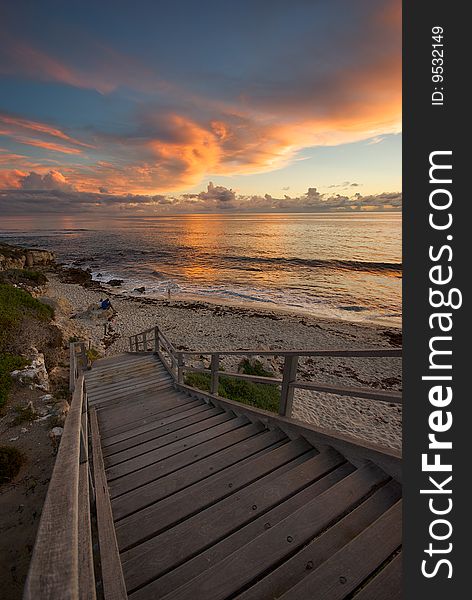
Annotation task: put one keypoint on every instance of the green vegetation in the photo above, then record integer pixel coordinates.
(11, 460)
(8, 363)
(16, 305)
(25, 276)
(93, 354)
(17, 308)
(261, 395)
(254, 368)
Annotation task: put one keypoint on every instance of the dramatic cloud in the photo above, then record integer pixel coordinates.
(50, 181)
(51, 193)
(40, 135)
(166, 111)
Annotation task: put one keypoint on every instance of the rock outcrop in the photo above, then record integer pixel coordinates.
(35, 374)
(14, 257)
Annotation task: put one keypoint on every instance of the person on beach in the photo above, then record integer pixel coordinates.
(104, 304)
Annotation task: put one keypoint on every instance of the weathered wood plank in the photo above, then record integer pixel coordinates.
(118, 360)
(152, 472)
(85, 556)
(188, 570)
(215, 417)
(356, 392)
(167, 513)
(131, 387)
(112, 575)
(105, 377)
(276, 583)
(132, 397)
(127, 436)
(141, 408)
(129, 365)
(207, 527)
(158, 430)
(159, 399)
(125, 378)
(204, 470)
(137, 463)
(270, 548)
(365, 353)
(343, 572)
(386, 585)
(164, 514)
(181, 404)
(53, 571)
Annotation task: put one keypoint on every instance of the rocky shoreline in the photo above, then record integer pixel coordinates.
(206, 325)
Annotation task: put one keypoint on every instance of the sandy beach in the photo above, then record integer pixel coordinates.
(198, 325)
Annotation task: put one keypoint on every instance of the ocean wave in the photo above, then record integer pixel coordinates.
(334, 264)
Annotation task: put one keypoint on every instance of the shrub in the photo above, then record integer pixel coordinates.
(92, 354)
(260, 395)
(11, 460)
(254, 368)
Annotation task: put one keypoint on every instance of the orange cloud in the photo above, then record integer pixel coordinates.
(40, 143)
(262, 128)
(18, 123)
(10, 179)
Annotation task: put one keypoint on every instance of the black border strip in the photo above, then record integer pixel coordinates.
(428, 128)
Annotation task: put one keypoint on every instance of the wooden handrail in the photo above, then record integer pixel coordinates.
(362, 353)
(54, 567)
(288, 383)
(62, 561)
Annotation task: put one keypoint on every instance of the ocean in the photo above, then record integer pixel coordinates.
(342, 266)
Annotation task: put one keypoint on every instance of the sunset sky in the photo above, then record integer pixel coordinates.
(140, 105)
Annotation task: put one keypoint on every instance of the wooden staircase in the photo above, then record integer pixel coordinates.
(203, 499)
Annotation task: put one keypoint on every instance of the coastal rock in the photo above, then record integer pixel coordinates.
(115, 282)
(35, 374)
(75, 275)
(141, 289)
(34, 258)
(15, 257)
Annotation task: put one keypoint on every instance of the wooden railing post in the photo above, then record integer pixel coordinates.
(72, 366)
(288, 377)
(156, 339)
(180, 367)
(83, 358)
(215, 367)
